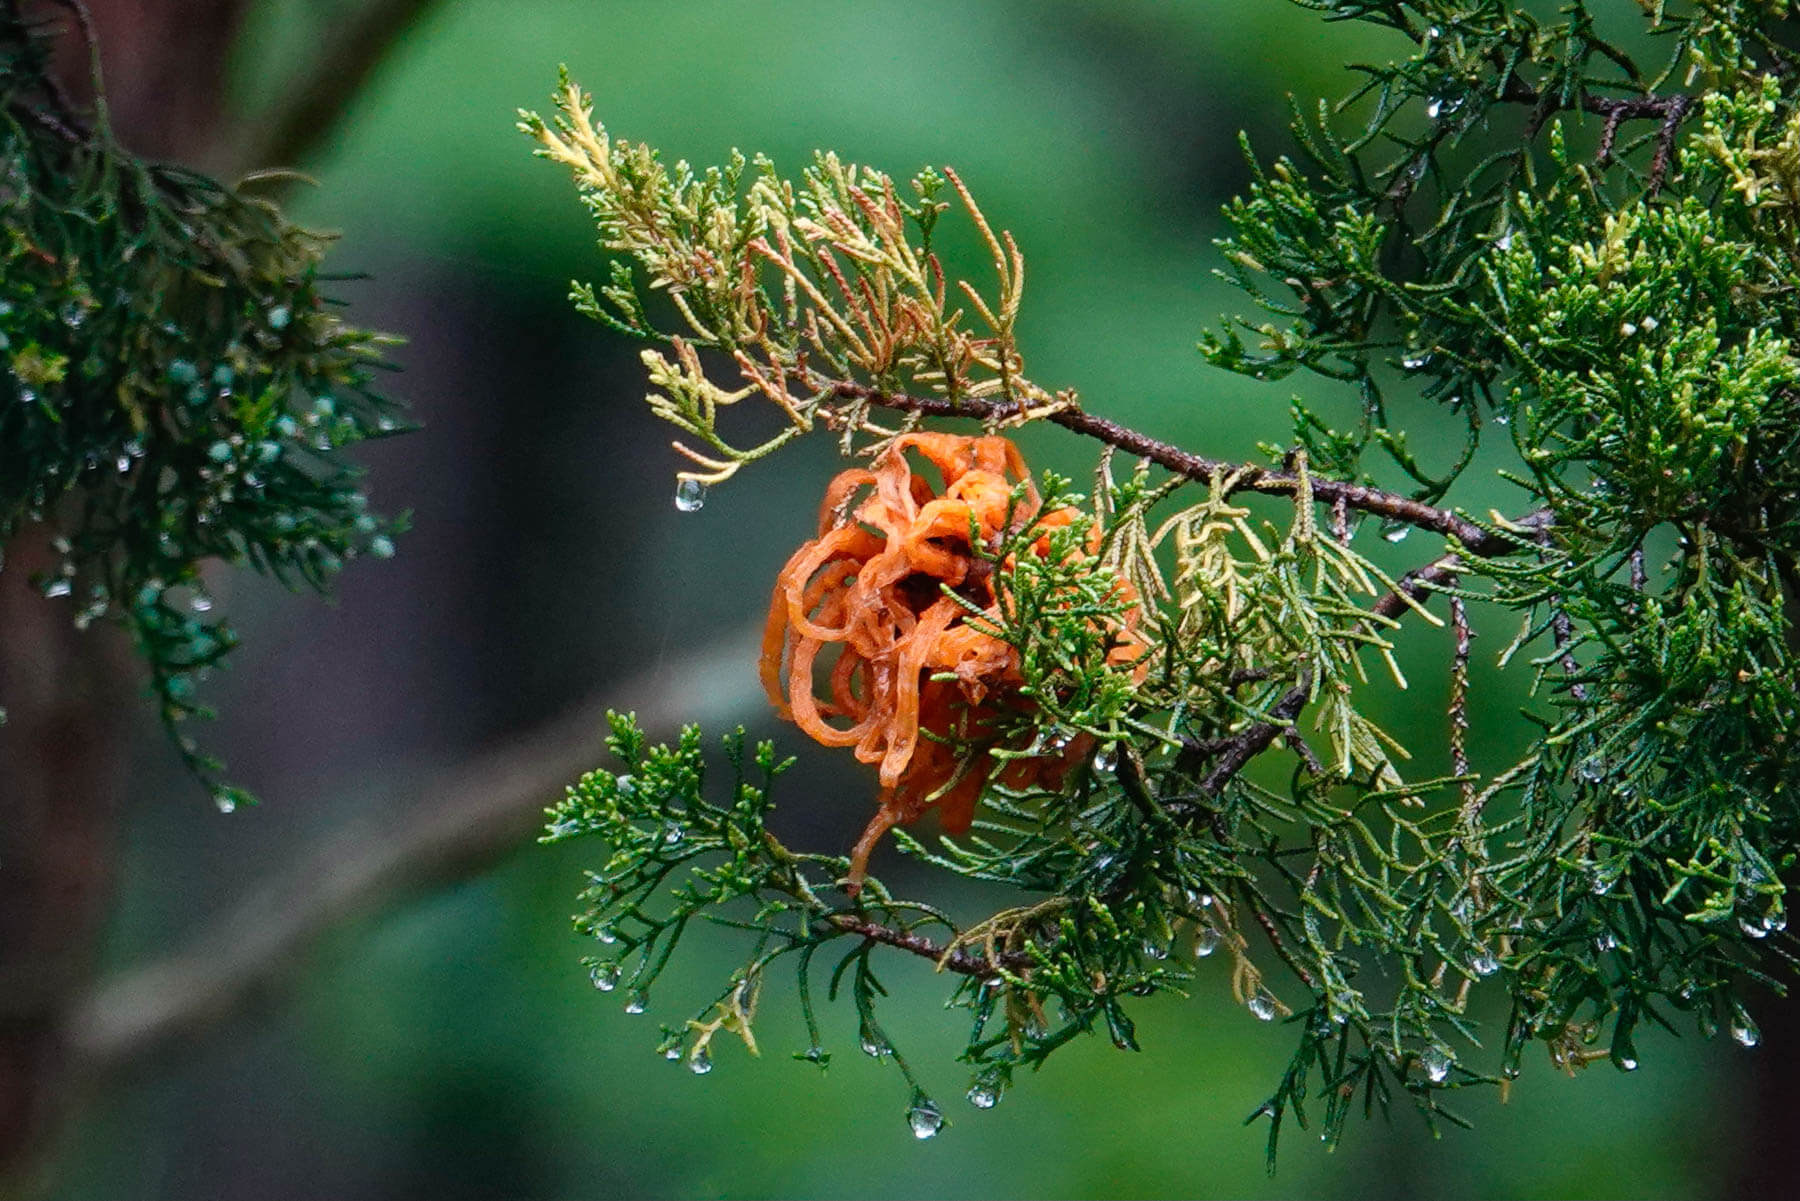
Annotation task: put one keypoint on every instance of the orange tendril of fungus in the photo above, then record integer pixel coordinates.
(878, 657)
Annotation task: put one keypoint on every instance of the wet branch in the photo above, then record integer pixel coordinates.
(1239, 477)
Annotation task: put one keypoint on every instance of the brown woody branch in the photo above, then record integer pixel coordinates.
(1240, 477)
(956, 959)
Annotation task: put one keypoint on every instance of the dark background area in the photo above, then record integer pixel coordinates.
(441, 1038)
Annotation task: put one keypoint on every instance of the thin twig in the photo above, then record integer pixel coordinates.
(1243, 477)
(964, 962)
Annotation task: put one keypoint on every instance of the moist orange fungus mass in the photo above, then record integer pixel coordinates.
(880, 628)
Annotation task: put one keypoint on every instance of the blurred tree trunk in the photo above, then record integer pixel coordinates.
(68, 693)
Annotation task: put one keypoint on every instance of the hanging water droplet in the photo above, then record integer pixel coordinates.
(984, 1094)
(637, 1004)
(225, 801)
(1504, 241)
(1626, 1062)
(1774, 921)
(672, 1052)
(924, 1117)
(1396, 533)
(1206, 941)
(1502, 419)
(1591, 771)
(1648, 324)
(815, 1054)
(1604, 941)
(1743, 1028)
(1263, 1006)
(700, 1062)
(1484, 963)
(1107, 757)
(690, 495)
(605, 976)
(1199, 901)
(993, 982)
(1753, 927)
(1433, 33)
(625, 784)
(1435, 107)
(606, 934)
(123, 463)
(381, 546)
(58, 587)
(873, 1047)
(1628, 330)
(1415, 362)
(672, 834)
(1436, 1064)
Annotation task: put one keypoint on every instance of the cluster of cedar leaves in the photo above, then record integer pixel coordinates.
(1576, 235)
(176, 388)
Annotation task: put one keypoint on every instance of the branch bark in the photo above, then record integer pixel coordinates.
(480, 811)
(1243, 477)
(315, 102)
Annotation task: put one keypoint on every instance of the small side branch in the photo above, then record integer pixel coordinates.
(963, 962)
(1243, 477)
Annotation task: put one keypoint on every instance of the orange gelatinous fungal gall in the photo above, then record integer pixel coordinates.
(913, 687)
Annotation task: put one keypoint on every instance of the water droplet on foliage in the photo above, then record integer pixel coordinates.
(1107, 757)
(690, 495)
(1504, 241)
(1502, 419)
(57, 588)
(1263, 1006)
(123, 463)
(1604, 941)
(672, 834)
(1436, 1064)
(1396, 534)
(1206, 941)
(1648, 324)
(637, 1004)
(225, 801)
(606, 934)
(700, 1062)
(1415, 362)
(1774, 920)
(1484, 963)
(1435, 107)
(924, 1118)
(873, 1047)
(672, 1053)
(1743, 1029)
(1155, 949)
(1753, 927)
(382, 547)
(280, 316)
(605, 976)
(1626, 1062)
(983, 1095)
(202, 603)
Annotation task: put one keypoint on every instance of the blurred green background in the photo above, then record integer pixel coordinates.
(451, 1046)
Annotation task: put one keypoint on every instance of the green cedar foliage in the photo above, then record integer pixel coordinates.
(179, 388)
(1574, 232)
